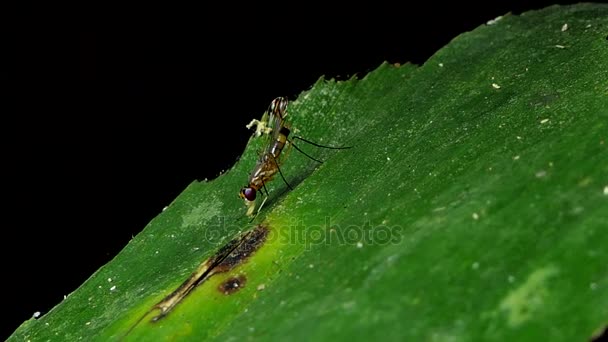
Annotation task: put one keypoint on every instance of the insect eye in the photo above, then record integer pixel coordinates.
(248, 193)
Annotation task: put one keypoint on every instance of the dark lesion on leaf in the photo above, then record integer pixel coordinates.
(247, 245)
(232, 254)
(232, 284)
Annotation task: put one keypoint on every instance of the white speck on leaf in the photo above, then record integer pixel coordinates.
(541, 174)
(359, 244)
(475, 216)
(544, 121)
(88, 323)
(109, 280)
(311, 266)
(261, 287)
(511, 279)
(36, 314)
(564, 27)
(516, 157)
(113, 288)
(388, 158)
(518, 137)
(475, 265)
(606, 190)
(441, 65)
(593, 286)
(560, 46)
(495, 86)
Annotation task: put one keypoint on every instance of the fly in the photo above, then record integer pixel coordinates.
(268, 165)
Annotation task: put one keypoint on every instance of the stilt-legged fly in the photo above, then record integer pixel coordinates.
(268, 165)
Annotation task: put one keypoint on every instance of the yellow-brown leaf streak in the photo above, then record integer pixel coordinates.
(225, 259)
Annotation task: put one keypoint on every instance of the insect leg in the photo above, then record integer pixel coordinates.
(260, 208)
(261, 205)
(304, 153)
(322, 146)
(264, 187)
(280, 172)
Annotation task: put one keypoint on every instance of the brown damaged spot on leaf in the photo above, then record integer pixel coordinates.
(225, 259)
(233, 284)
(234, 253)
(246, 247)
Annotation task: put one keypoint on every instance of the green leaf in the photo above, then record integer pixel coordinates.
(472, 206)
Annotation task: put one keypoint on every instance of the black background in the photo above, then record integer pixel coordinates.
(113, 121)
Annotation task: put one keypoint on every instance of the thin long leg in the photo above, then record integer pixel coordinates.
(264, 186)
(280, 172)
(261, 205)
(322, 146)
(260, 208)
(304, 153)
